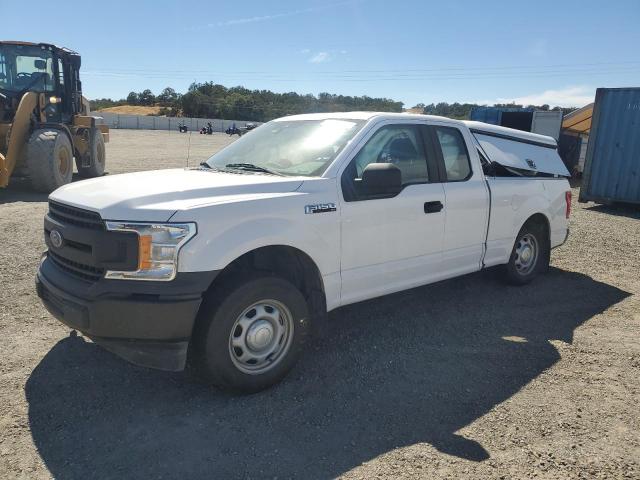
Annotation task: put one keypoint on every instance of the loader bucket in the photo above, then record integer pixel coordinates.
(19, 136)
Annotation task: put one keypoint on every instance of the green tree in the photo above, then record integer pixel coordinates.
(167, 97)
(132, 98)
(146, 97)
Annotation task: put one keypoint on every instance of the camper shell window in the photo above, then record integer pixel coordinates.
(520, 156)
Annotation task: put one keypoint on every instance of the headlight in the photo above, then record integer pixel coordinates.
(158, 247)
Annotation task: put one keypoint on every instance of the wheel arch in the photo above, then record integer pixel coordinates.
(287, 262)
(540, 219)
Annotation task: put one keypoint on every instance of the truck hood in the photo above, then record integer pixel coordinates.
(155, 196)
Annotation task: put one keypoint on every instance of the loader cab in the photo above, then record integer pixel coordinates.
(42, 68)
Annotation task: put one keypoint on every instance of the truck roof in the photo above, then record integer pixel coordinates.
(478, 126)
(362, 116)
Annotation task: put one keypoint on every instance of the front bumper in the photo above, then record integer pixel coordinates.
(146, 323)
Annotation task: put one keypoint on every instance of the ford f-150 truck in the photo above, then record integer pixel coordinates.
(229, 265)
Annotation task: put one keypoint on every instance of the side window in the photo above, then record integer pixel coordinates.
(397, 144)
(454, 153)
(60, 72)
(34, 73)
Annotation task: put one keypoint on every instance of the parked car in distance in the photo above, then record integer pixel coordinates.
(229, 265)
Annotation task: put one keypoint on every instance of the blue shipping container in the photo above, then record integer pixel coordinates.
(486, 114)
(612, 165)
(493, 115)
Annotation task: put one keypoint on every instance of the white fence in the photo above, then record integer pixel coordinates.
(148, 122)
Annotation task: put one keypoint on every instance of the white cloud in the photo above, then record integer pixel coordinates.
(261, 18)
(320, 57)
(576, 96)
(274, 16)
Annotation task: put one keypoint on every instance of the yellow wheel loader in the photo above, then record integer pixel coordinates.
(44, 119)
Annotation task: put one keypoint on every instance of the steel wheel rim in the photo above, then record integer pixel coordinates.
(526, 254)
(63, 162)
(261, 336)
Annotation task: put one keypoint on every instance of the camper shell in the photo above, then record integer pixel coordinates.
(522, 153)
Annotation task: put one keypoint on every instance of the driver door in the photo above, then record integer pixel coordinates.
(393, 243)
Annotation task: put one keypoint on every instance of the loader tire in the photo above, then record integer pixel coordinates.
(49, 159)
(98, 158)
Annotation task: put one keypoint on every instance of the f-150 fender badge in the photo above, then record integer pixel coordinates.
(320, 208)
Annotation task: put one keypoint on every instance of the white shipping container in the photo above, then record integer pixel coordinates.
(547, 123)
(583, 152)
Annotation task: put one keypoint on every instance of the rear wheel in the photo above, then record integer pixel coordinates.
(49, 158)
(250, 332)
(98, 158)
(530, 255)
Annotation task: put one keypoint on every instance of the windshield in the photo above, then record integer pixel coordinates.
(26, 67)
(294, 147)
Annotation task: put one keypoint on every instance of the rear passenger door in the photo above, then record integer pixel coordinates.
(391, 243)
(467, 200)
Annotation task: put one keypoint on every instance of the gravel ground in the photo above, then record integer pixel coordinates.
(465, 378)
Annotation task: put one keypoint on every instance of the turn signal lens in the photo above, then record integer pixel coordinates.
(144, 252)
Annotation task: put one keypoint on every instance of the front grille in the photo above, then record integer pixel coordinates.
(88, 249)
(75, 216)
(85, 272)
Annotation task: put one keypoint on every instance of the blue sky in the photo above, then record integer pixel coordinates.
(554, 52)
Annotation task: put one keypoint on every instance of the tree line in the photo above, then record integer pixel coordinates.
(462, 111)
(212, 100)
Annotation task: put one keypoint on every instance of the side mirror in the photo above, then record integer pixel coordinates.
(40, 64)
(380, 179)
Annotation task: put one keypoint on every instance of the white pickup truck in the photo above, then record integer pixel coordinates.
(227, 266)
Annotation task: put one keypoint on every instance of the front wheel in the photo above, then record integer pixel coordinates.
(249, 333)
(49, 159)
(530, 255)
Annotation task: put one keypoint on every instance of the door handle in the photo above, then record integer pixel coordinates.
(433, 207)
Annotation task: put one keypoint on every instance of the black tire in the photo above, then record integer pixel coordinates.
(532, 233)
(49, 158)
(212, 355)
(98, 158)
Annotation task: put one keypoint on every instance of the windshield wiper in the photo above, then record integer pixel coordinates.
(251, 168)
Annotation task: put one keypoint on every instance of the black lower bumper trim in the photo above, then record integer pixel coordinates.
(170, 356)
(149, 329)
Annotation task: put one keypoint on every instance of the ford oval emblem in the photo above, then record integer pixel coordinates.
(56, 238)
